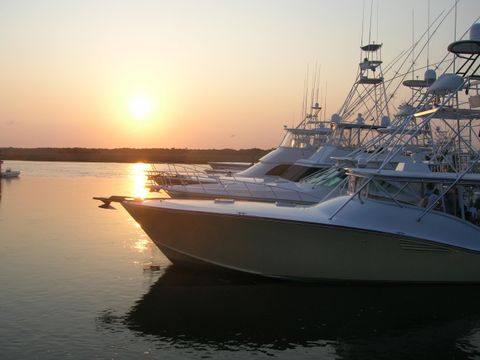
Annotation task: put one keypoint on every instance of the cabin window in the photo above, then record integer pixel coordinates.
(298, 172)
(278, 170)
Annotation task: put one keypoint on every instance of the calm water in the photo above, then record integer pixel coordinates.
(73, 286)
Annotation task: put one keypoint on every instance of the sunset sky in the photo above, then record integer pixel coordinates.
(186, 73)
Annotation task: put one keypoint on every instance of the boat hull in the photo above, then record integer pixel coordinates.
(299, 250)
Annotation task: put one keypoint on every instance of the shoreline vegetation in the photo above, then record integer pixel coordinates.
(131, 155)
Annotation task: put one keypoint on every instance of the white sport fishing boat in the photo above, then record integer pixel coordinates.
(416, 223)
(8, 173)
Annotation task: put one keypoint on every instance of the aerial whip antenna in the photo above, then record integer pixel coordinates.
(305, 95)
(325, 103)
(455, 32)
(428, 34)
(318, 83)
(413, 46)
(370, 24)
(363, 22)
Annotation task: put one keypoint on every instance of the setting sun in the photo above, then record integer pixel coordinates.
(141, 107)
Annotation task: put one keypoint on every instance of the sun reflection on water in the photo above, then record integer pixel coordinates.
(139, 179)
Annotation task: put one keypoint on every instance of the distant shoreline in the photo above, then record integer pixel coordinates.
(130, 155)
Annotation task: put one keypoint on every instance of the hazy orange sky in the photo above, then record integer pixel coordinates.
(186, 73)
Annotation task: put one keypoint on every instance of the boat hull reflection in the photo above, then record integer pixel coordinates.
(224, 310)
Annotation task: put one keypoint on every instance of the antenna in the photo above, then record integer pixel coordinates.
(455, 32)
(455, 23)
(370, 25)
(304, 100)
(318, 82)
(428, 34)
(325, 103)
(314, 81)
(305, 105)
(413, 46)
(363, 21)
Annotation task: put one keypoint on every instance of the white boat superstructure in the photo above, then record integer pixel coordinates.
(298, 143)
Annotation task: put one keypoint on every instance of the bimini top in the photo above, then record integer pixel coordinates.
(349, 125)
(468, 47)
(302, 131)
(371, 47)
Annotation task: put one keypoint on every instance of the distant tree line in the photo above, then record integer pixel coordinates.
(129, 155)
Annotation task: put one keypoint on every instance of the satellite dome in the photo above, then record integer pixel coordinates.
(360, 120)
(446, 84)
(430, 76)
(475, 32)
(336, 118)
(385, 121)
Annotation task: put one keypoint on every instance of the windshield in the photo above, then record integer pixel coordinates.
(462, 201)
(303, 140)
(330, 178)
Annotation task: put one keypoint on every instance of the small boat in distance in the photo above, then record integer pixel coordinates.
(8, 173)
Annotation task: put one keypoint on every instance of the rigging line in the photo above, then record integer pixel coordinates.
(431, 35)
(422, 49)
(421, 126)
(410, 49)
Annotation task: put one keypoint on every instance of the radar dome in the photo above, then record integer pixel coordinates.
(446, 84)
(385, 121)
(360, 120)
(430, 76)
(336, 118)
(475, 32)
